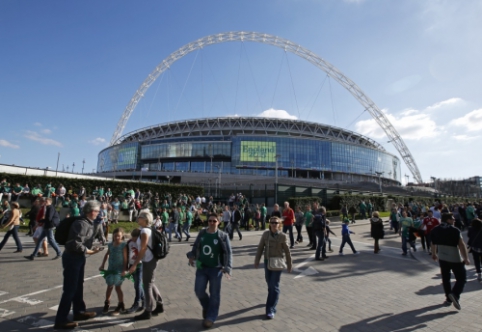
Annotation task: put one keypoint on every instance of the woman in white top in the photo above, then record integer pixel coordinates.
(153, 299)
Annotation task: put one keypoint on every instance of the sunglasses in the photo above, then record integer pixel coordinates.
(212, 220)
(274, 222)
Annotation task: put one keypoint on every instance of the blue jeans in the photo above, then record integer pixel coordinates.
(14, 233)
(49, 234)
(272, 279)
(404, 244)
(73, 290)
(185, 229)
(210, 302)
(320, 248)
(138, 285)
(173, 228)
(347, 239)
(289, 229)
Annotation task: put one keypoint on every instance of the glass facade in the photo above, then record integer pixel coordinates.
(252, 155)
(119, 157)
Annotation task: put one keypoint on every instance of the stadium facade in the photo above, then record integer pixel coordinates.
(249, 146)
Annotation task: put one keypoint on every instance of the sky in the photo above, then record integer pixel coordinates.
(68, 69)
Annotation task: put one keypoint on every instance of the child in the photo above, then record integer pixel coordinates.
(345, 233)
(132, 252)
(328, 231)
(114, 275)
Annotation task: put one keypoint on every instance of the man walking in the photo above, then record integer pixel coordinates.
(79, 243)
(449, 249)
(288, 221)
(235, 220)
(212, 253)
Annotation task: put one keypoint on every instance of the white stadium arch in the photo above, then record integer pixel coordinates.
(288, 46)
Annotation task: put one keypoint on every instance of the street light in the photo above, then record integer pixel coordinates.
(380, 180)
(219, 179)
(73, 165)
(276, 179)
(83, 164)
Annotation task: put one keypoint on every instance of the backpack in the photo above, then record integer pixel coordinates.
(63, 229)
(318, 221)
(160, 245)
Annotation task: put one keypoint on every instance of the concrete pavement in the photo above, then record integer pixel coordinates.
(366, 292)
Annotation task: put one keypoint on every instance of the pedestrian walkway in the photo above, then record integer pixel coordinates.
(366, 292)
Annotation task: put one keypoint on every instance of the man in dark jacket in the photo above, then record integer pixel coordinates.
(50, 220)
(213, 255)
(449, 249)
(235, 220)
(79, 244)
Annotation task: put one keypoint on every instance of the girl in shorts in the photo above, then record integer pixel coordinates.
(114, 275)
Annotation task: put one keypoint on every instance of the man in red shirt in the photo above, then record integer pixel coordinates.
(428, 224)
(288, 221)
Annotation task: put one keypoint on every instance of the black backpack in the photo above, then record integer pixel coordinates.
(160, 245)
(63, 229)
(319, 222)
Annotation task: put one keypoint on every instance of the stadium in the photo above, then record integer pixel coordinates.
(224, 152)
(249, 146)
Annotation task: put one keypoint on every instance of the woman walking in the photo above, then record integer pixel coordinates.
(13, 224)
(153, 299)
(277, 256)
(376, 230)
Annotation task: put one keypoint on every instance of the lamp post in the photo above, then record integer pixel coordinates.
(73, 165)
(219, 179)
(276, 179)
(211, 147)
(380, 180)
(158, 167)
(83, 164)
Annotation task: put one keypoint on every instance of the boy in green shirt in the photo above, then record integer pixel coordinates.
(309, 228)
(187, 224)
(405, 224)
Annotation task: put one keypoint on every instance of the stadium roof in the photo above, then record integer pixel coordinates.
(232, 126)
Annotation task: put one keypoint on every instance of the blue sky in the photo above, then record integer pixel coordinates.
(68, 69)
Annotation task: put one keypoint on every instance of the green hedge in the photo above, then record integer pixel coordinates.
(116, 186)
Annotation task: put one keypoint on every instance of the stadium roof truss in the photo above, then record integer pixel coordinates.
(232, 126)
(287, 46)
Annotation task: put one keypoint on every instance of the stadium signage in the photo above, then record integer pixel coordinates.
(258, 151)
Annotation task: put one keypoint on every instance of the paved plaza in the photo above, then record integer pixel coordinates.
(366, 292)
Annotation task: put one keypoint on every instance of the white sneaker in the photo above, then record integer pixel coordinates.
(479, 276)
(356, 253)
(340, 253)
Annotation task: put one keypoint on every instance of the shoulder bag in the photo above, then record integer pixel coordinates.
(275, 263)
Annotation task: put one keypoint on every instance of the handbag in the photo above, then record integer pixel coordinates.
(275, 263)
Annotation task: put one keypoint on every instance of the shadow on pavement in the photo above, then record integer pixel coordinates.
(405, 321)
(186, 325)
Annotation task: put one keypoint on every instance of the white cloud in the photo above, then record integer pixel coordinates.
(410, 124)
(280, 114)
(445, 103)
(97, 141)
(46, 131)
(7, 144)
(471, 121)
(37, 124)
(34, 136)
(465, 137)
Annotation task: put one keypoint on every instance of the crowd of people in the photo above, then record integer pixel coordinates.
(211, 252)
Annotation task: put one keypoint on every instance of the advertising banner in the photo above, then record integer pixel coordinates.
(258, 151)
